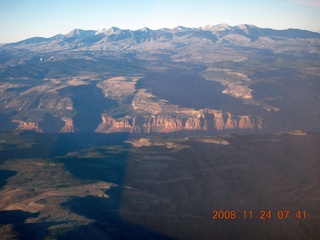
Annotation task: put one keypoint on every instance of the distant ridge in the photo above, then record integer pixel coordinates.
(207, 79)
(212, 32)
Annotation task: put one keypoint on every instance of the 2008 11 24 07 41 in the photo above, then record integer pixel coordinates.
(262, 214)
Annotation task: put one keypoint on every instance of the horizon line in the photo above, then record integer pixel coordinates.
(157, 29)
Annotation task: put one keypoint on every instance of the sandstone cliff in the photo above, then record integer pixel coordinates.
(202, 120)
(68, 126)
(207, 120)
(25, 125)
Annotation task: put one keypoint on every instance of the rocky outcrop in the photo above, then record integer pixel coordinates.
(140, 124)
(207, 120)
(25, 125)
(230, 123)
(195, 123)
(68, 126)
(202, 120)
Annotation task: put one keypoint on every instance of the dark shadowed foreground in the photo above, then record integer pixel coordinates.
(82, 186)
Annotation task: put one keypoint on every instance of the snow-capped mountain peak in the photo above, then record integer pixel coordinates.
(145, 29)
(80, 33)
(245, 26)
(108, 31)
(78, 38)
(219, 27)
(113, 29)
(182, 28)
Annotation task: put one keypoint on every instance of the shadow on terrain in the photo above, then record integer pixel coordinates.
(51, 124)
(6, 123)
(89, 102)
(172, 187)
(183, 88)
(108, 222)
(67, 142)
(4, 175)
(21, 229)
(174, 192)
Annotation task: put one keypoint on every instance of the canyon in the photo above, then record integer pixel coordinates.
(142, 134)
(68, 186)
(202, 80)
(207, 120)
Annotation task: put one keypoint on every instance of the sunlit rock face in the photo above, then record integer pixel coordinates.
(32, 126)
(210, 79)
(149, 132)
(68, 127)
(164, 124)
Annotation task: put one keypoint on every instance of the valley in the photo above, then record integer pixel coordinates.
(144, 134)
(159, 187)
(171, 76)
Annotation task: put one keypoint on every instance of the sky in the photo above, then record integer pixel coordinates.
(21, 19)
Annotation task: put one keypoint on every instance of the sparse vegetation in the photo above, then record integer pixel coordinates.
(148, 180)
(167, 94)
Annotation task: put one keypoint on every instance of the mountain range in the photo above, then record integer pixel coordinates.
(208, 79)
(212, 32)
(184, 133)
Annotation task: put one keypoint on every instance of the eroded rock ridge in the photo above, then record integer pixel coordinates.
(207, 120)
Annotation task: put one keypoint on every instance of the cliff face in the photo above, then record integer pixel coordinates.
(68, 126)
(207, 120)
(203, 120)
(25, 125)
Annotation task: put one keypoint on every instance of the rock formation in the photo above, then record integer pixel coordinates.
(25, 125)
(68, 126)
(207, 120)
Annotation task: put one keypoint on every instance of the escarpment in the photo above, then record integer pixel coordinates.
(207, 120)
(68, 126)
(26, 125)
(214, 79)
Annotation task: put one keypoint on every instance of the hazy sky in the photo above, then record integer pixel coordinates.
(21, 19)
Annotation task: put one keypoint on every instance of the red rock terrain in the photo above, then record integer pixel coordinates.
(209, 120)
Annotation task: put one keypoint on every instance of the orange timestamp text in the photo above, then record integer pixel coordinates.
(262, 214)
